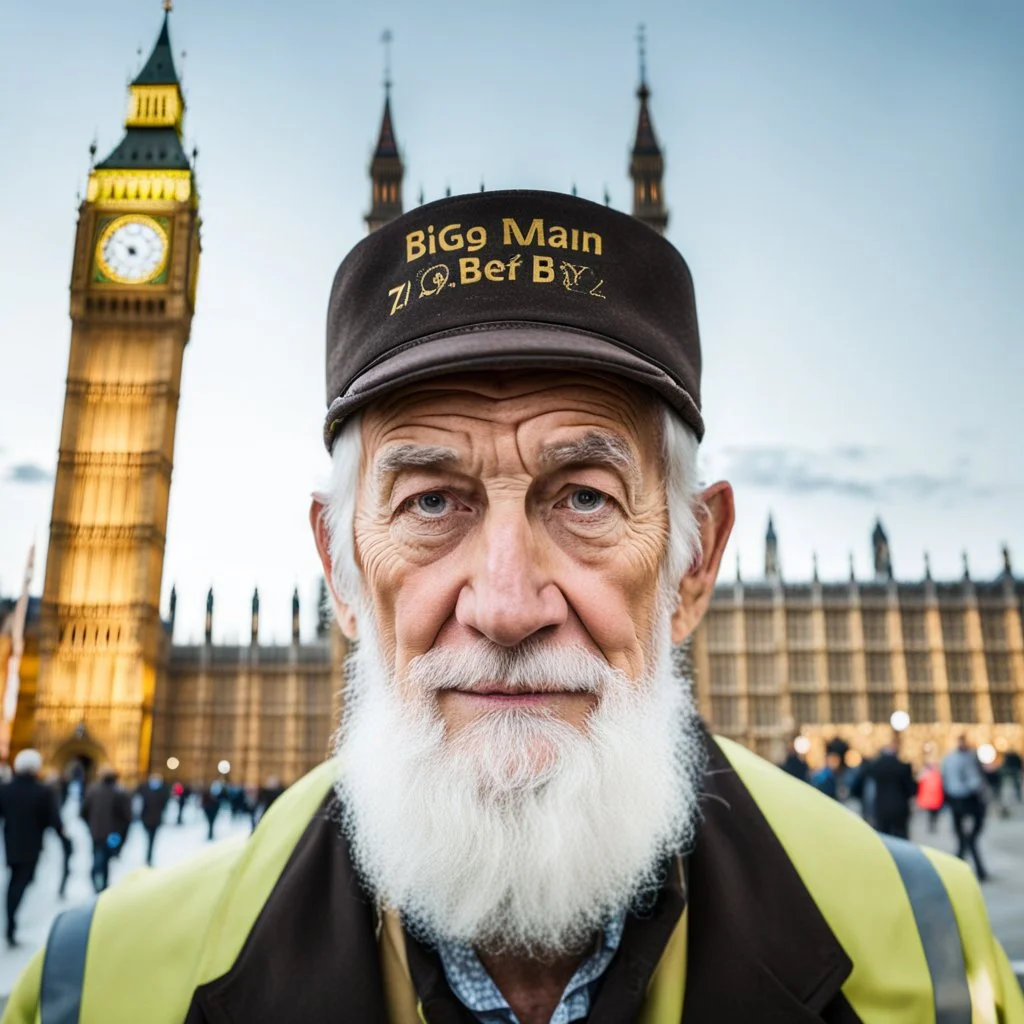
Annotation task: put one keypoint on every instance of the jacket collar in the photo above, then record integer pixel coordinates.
(758, 947)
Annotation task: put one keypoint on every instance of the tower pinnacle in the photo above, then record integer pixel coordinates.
(647, 165)
(386, 168)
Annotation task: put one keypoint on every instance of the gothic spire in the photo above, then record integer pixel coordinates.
(771, 553)
(386, 167)
(159, 69)
(156, 111)
(647, 165)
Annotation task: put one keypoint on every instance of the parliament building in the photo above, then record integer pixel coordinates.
(91, 672)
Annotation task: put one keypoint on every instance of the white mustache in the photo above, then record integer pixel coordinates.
(527, 668)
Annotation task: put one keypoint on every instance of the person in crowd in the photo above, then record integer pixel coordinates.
(930, 796)
(994, 779)
(213, 796)
(154, 795)
(1012, 767)
(28, 807)
(795, 764)
(893, 780)
(828, 777)
(965, 789)
(107, 810)
(182, 792)
(525, 818)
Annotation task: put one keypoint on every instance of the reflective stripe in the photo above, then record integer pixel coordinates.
(60, 992)
(936, 924)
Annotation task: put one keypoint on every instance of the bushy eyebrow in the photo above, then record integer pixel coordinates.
(398, 457)
(593, 449)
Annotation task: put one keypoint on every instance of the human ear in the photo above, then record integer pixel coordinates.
(698, 585)
(343, 611)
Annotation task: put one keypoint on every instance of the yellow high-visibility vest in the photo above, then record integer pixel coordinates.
(157, 936)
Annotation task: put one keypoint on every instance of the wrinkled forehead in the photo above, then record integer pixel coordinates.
(537, 408)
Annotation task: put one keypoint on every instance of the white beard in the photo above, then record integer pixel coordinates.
(520, 833)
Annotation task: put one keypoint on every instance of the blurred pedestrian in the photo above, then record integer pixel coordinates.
(107, 810)
(1012, 768)
(894, 788)
(155, 795)
(211, 801)
(181, 794)
(795, 764)
(930, 795)
(965, 790)
(28, 808)
(826, 779)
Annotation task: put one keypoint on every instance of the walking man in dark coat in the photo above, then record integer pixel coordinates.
(155, 794)
(28, 808)
(894, 787)
(107, 811)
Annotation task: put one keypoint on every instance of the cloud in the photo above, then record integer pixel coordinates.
(847, 471)
(28, 473)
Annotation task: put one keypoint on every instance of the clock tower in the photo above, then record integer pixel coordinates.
(133, 285)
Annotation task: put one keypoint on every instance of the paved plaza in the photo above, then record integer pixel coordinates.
(1002, 845)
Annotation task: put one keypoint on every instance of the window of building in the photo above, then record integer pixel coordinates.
(840, 670)
(1002, 706)
(876, 628)
(954, 632)
(837, 627)
(725, 712)
(879, 668)
(915, 633)
(802, 668)
(758, 626)
(721, 629)
(723, 673)
(799, 627)
(922, 707)
(963, 707)
(880, 706)
(842, 707)
(958, 669)
(761, 675)
(998, 666)
(919, 669)
(764, 711)
(805, 708)
(993, 628)
(272, 732)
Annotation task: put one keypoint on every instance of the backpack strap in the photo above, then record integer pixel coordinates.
(936, 924)
(60, 992)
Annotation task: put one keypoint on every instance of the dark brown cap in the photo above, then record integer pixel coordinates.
(509, 280)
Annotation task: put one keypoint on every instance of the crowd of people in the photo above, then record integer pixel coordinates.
(887, 788)
(31, 803)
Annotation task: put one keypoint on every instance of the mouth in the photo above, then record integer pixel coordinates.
(504, 696)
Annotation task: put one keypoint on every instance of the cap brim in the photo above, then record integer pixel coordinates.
(507, 347)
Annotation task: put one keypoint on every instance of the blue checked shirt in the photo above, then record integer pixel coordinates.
(470, 981)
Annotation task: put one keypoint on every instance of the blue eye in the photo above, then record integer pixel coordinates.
(433, 504)
(586, 499)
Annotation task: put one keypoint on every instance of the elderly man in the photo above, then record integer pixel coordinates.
(525, 820)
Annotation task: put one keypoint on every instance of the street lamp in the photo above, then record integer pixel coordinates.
(899, 720)
(173, 763)
(224, 767)
(986, 753)
(801, 745)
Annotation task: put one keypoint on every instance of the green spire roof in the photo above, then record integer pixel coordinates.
(159, 69)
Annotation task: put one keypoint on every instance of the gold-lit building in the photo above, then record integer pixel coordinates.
(100, 680)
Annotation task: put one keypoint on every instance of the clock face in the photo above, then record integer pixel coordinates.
(132, 250)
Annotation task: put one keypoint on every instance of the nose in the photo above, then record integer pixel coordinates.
(509, 595)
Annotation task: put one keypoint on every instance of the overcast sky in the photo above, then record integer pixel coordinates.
(843, 178)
